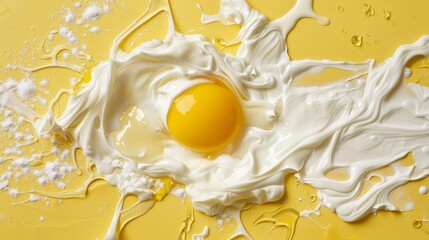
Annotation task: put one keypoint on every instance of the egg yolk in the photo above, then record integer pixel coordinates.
(205, 118)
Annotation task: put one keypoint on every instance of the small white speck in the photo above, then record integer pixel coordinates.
(75, 51)
(92, 12)
(4, 184)
(34, 198)
(26, 88)
(69, 17)
(73, 82)
(13, 192)
(44, 83)
(67, 34)
(79, 21)
(95, 29)
(66, 56)
(106, 8)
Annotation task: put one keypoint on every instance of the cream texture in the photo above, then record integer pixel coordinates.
(357, 125)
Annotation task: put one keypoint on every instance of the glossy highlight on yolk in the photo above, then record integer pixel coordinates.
(205, 118)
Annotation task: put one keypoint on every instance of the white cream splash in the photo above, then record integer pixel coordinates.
(357, 125)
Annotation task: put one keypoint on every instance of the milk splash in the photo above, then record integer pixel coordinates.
(357, 125)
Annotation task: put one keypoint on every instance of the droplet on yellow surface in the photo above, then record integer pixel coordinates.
(387, 14)
(416, 81)
(369, 12)
(357, 40)
(340, 8)
(417, 223)
(36, 163)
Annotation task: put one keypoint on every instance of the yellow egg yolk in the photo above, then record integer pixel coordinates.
(205, 118)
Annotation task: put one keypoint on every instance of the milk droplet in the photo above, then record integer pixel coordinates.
(423, 190)
(357, 40)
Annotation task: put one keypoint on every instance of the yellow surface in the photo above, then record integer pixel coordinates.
(25, 24)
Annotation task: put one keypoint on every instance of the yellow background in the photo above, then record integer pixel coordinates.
(88, 217)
